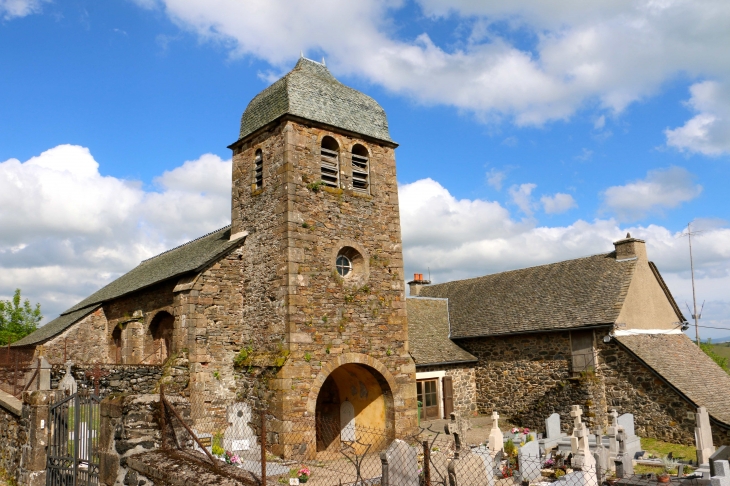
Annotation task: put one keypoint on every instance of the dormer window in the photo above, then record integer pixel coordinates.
(360, 169)
(330, 162)
(258, 166)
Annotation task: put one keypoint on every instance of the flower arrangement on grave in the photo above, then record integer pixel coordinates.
(303, 474)
(231, 458)
(517, 430)
(508, 470)
(217, 446)
(509, 448)
(669, 465)
(549, 464)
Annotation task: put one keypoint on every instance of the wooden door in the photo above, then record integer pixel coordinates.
(428, 395)
(448, 396)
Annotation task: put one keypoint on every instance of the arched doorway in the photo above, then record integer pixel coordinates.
(159, 338)
(355, 403)
(116, 347)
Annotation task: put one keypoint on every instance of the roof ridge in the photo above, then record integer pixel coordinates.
(184, 244)
(523, 268)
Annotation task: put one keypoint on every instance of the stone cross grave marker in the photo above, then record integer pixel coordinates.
(528, 458)
(624, 462)
(611, 433)
(239, 436)
(721, 477)
(601, 455)
(552, 426)
(703, 436)
(68, 383)
(475, 468)
(452, 429)
(582, 455)
(496, 438)
(400, 464)
(627, 422)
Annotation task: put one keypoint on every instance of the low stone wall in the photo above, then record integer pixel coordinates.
(13, 435)
(120, 379)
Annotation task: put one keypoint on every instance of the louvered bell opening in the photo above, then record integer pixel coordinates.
(360, 174)
(330, 171)
(259, 174)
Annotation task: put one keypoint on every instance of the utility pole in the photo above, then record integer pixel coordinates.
(694, 294)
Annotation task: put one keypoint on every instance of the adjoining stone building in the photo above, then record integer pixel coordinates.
(602, 331)
(299, 305)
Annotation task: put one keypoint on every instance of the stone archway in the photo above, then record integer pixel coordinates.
(158, 342)
(355, 399)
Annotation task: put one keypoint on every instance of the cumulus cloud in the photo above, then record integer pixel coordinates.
(72, 229)
(583, 52)
(522, 197)
(559, 203)
(495, 178)
(463, 238)
(708, 132)
(19, 8)
(661, 189)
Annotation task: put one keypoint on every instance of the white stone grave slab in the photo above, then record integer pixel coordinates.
(475, 468)
(239, 436)
(402, 461)
(627, 422)
(528, 459)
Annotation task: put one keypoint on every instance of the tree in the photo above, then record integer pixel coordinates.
(17, 320)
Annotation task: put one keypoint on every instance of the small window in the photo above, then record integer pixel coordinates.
(330, 162)
(583, 358)
(344, 265)
(259, 169)
(360, 169)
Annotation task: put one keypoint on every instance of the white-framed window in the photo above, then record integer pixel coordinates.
(360, 169)
(343, 265)
(330, 162)
(258, 167)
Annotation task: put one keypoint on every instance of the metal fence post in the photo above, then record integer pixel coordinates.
(263, 447)
(426, 464)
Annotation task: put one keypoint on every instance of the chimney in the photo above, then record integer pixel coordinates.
(416, 284)
(630, 248)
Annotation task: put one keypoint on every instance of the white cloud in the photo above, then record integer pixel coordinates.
(72, 230)
(612, 52)
(708, 132)
(559, 203)
(19, 8)
(661, 189)
(522, 197)
(463, 238)
(599, 123)
(495, 178)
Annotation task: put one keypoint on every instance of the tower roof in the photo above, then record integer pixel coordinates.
(310, 91)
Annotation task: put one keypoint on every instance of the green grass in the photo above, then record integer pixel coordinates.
(659, 448)
(722, 350)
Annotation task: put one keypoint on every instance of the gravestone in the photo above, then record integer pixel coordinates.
(580, 447)
(528, 459)
(552, 426)
(347, 422)
(496, 438)
(703, 436)
(601, 456)
(624, 461)
(721, 476)
(400, 464)
(721, 454)
(475, 467)
(627, 422)
(239, 436)
(68, 382)
(578, 478)
(44, 376)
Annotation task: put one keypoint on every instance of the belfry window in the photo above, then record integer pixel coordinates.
(360, 169)
(330, 162)
(258, 166)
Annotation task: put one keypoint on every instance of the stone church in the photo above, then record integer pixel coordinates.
(300, 302)
(299, 305)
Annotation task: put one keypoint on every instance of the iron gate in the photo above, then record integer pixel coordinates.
(73, 452)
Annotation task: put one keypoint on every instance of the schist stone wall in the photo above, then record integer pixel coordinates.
(308, 315)
(464, 383)
(528, 377)
(13, 435)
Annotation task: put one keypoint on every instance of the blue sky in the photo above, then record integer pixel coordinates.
(527, 134)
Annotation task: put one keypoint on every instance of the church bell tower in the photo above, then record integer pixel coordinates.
(314, 188)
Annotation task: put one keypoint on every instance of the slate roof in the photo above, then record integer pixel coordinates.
(576, 293)
(310, 91)
(686, 367)
(190, 257)
(428, 333)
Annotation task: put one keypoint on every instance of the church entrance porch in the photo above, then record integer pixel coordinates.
(354, 401)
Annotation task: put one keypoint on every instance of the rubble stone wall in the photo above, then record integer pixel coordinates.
(87, 340)
(13, 435)
(464, 382)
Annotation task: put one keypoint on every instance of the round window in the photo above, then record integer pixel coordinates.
(344, 265)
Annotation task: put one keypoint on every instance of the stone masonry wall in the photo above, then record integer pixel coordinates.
(464, 382)
(85, 342)
(528, 377)
(659, 411)
(13, 435)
